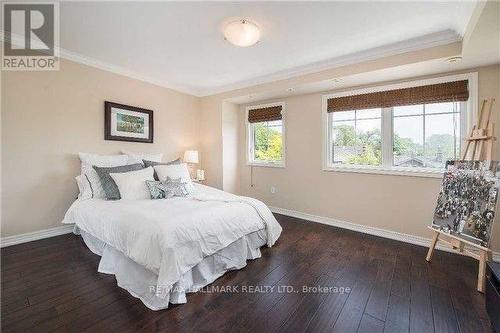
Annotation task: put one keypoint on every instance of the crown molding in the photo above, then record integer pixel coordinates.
(108, 67)
(424, 42)
(92, 62)
(415, 44)
(473, 20)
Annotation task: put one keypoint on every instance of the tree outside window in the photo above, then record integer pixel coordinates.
(268, 141)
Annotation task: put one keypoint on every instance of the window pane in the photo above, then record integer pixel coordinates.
(357, 142)
(343, 115)
(440, 108)
(268, 141)
(442, 139)
(441, 142)
(408, 110)
(408, 141)
(368, 113)
(344, 141)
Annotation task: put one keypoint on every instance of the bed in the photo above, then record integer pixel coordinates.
(159, 250)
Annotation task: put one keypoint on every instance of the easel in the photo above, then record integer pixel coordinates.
(481, 141)
(481, 137)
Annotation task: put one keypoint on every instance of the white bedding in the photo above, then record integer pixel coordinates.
(142, 283)
(170, 236)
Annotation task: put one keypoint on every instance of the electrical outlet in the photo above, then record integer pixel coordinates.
(273, 189)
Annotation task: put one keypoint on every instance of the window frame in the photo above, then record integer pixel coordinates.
(250, 137)
(469, 117)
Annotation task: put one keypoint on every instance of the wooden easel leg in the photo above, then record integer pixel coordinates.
(433, 245)
(481, 275)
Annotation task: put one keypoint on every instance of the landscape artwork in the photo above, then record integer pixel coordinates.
(127, 123)
(467, 201)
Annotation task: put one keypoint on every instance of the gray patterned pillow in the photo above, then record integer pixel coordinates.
(153, 163)
(156, 189)
(108, 184)
(168, 189)
(175, 188)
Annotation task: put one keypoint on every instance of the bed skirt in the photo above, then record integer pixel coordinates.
(142, 283)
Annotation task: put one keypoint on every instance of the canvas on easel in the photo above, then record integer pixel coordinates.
(467, 201)
(465, 209)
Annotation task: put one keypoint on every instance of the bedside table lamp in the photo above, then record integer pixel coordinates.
(191, 157)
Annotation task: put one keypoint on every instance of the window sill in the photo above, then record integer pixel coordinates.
(266, 165)
(395, 172)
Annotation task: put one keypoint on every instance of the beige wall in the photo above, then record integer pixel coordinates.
(230, 147)
(212, 106)
(211, 140)
(398, 203)
(48, 117)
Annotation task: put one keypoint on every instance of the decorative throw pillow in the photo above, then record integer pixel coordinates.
(175, 188)
(132, 184)
(108, 184)
(175, 171)
(134, 158)
(154, 163)
(167, 189)
(87, 163)
(156, 189)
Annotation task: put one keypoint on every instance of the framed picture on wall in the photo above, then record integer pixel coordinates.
(127, 123)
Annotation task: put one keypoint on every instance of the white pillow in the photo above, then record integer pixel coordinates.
(84, 187)
(134, 158)
(89, 160)
(132, 185)
(175, 171)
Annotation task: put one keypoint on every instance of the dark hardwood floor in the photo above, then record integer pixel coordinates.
(53, 285)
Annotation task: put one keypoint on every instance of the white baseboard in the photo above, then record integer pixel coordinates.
(407, 238)
(36, 235)
(412, 239)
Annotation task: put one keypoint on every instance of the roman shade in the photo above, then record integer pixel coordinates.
(435, 93)
(270, 113)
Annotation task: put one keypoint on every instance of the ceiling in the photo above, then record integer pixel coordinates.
(480, 49)
(180, 44)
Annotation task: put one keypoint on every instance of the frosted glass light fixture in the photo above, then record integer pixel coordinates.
(242, 33)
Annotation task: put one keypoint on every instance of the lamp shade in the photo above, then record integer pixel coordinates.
(191, 156)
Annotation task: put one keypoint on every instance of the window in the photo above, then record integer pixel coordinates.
(402, 139)
(266, 135)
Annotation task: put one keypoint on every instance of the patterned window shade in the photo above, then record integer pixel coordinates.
(264, 114)
(456, 91)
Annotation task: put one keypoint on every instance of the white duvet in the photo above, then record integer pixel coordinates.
(171, 236)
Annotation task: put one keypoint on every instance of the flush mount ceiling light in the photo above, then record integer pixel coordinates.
(454, 59)
(242, 33)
